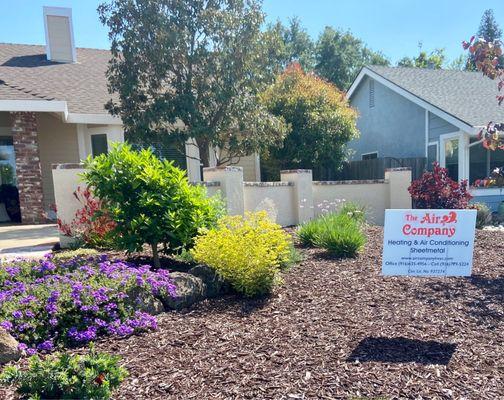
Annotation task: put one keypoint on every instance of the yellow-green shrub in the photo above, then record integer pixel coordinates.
(246, 251)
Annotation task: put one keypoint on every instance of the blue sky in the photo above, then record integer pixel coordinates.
(393, 26)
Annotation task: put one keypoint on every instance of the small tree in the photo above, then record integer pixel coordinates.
(437, 190)
(192, 69)
(321, 120)
(434, 60)
(150, 200)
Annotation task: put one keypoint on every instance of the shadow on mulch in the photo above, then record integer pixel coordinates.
(480, 304)
(402, 350)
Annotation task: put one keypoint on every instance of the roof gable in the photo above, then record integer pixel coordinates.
(465, 99)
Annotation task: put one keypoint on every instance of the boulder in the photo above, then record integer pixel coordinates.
(189, 290)
(214, 284)
(144, 301)
(8, 347)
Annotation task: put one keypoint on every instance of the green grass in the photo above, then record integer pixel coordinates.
(339, 233)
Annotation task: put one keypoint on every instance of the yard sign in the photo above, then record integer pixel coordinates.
(428, 242)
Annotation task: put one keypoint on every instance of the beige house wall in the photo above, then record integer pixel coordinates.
(57, 144)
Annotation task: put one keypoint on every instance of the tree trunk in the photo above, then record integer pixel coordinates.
(204, 150)
(155, 255)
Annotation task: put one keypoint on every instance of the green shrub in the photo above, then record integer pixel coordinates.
(483, 216)
(339, 233)
(354, 210)
(63, 376)
(150, 200)
(246, 251)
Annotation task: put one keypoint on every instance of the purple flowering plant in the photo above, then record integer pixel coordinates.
(52, 303)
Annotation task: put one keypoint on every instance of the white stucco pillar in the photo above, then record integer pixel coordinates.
(303, 192)
(231, 186)
(399, 180)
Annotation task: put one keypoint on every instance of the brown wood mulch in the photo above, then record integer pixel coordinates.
(336, 329)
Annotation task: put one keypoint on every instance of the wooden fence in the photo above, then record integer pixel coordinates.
(371, 169)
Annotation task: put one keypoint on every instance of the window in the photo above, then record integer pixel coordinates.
(482, 161)
(370, 156)
(432, 154)
(371, 94)
(99, 144)
(452, 158)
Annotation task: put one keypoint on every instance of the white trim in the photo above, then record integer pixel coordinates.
(34, 106)
(463, 152)
(58, 106)
(59, 12)
(486, 191)
(426, 133)
(105, 119)
(366, 154)
(415, 99)
(437, 150)
(81, 141)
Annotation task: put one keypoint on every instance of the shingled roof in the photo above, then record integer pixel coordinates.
(26, 74)
(468, 96)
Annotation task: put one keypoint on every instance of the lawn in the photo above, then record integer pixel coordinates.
(335, 329)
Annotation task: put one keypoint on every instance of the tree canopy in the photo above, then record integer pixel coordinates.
(192, 69)
(434, 60)
(489, 29)
(320, 118)
(340, 56)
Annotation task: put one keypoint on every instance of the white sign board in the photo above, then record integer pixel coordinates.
(428, 242)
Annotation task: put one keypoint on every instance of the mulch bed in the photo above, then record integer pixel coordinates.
(336, 329)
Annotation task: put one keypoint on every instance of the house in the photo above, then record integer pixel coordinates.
(436, 114)
(52, 111)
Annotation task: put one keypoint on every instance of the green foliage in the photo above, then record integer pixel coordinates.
(246, 251)
(321, 120)
(150, 200)
(340, 56)
(354, 210)
(70, 254)
(489, 29)
(339, 233)
(63, 376)
(294, 44)
(483, 216)
(434, 60)
(197, 62)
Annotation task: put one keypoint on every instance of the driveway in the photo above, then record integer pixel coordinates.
(31, 241)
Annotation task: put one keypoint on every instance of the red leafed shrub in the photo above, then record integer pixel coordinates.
(91, 224)
(437, 190)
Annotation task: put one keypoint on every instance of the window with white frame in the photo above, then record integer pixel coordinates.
(483, 161)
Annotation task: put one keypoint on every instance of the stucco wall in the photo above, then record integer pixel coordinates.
(386, 127)
(373, 195)
(273, 197)
(58, 144)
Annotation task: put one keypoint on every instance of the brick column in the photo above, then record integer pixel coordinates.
(28, 171)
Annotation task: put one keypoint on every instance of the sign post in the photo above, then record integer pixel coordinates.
(428, 242)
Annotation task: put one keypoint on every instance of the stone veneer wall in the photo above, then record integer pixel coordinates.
(28, 170)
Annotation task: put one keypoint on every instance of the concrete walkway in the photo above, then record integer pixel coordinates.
(28, 241)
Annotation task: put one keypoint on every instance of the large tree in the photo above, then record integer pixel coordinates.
(320, 118)
(340, 56)
(192, 69)
(293, 42)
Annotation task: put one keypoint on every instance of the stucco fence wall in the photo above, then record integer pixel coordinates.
(293, 200)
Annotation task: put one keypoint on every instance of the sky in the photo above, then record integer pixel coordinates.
(395, 27)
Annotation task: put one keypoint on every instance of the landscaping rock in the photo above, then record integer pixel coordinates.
(8, 347)
(144, 301)
(190, 289)
(214, 284)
